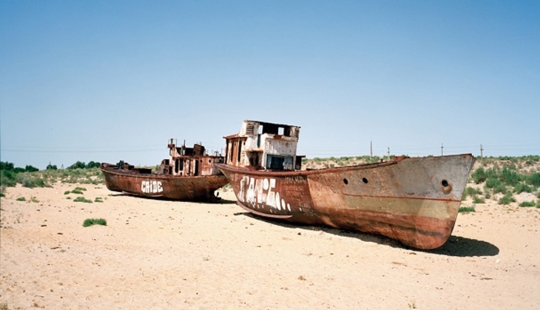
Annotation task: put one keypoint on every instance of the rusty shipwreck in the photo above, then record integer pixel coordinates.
(413, 200)
(188, 174)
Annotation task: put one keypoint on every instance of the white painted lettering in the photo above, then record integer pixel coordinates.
(260, 193)
(151, 187)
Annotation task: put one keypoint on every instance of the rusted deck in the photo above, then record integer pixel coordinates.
(188, 174)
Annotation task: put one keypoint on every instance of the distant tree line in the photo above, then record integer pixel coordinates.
(82, 165)
(7, 166)
(10, 167)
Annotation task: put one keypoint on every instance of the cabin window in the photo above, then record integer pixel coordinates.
(179, 165)
(250, 129)
(287, 131)
(288, 163)
(239, 151)
(281, 131)
(253, 159)
(276, 162)
(228, 159)
(270, 129)
(298, 163)
(176, 165)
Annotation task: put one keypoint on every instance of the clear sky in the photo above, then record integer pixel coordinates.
(110, 80)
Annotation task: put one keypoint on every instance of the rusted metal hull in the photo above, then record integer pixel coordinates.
(151, 185)
(413, 200)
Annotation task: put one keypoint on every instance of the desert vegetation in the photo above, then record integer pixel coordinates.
(78, 173)
(90, 222)
(503, 179)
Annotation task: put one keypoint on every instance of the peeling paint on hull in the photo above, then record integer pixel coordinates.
(412, 200)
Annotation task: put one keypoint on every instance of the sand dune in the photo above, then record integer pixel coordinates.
(176, 255)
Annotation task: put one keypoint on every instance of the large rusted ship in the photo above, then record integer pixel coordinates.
(413, 200)
(188, 174)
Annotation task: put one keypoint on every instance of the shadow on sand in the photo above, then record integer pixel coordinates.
(465, 247)
(455, 246)
(217, 200)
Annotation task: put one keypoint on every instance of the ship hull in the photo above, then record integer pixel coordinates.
(413, 200)
(151, 185)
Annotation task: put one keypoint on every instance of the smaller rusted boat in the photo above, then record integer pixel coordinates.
(188, 174)
(412, 200)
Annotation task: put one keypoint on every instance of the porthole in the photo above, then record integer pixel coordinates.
(345, 181)
(446, 187)
(364, 180)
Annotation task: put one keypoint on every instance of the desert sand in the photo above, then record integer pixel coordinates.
(156, 254)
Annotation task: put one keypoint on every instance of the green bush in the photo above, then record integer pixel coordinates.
(67, 192)
(90, 222)
(21, 199)
(83, 176)
(31, 179)
(492, 182)
(477, 199)
(466, 209)
(506, 199)
(510, 177)
(78, 190)
(82, 199)
(492, 173)
(479, 175)
(534, 179)
(500, 188)
(527, 204)
(470, 191)
(8, 178)
(98, 199)
(521, 187)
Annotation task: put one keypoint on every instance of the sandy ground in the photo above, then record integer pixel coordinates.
(175, 255)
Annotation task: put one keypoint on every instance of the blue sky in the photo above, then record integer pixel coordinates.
(111, 80)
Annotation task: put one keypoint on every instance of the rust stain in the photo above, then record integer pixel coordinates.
(188, 174)
(413, 200)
